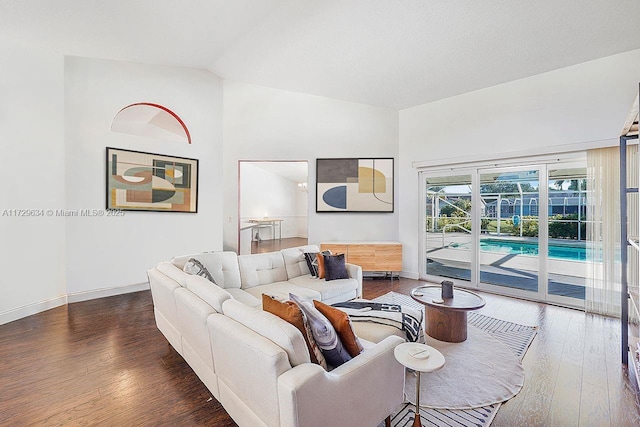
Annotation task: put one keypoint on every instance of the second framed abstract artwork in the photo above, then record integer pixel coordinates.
(354, 185)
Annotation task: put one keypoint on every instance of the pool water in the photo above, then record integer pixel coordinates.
(564, 252)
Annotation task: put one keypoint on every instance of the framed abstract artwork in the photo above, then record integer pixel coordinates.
(354, 185)
(139, 181)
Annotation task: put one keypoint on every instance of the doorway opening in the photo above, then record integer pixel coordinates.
(273, 205)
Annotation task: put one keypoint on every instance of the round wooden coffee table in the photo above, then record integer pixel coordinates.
(446, 320)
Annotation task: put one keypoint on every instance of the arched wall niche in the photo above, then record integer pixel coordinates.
(151, 121)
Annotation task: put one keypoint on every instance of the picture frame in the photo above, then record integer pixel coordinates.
(363, 184)
(141, 181)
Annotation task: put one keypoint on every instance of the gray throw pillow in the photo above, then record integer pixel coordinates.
(324, 333)
(335, 267)
(195, 267)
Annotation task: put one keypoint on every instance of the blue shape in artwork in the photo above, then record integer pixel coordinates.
(336, 197)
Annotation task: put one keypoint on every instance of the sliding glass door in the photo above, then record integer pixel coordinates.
(509, 240)
(567, 253)
(448, 238)
(517, 231)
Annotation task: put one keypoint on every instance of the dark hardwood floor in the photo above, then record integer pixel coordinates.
(103, 362)
(272, 245)
(99, 362)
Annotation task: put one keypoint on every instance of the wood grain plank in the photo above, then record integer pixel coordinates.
(595, 361)
(565, 406)
(594, 406)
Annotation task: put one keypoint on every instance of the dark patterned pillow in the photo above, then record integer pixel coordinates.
(311, 258)
(342, 324)
(290, 312)
(195, 267)
(323, 332)
(334, 267)
(312, 261)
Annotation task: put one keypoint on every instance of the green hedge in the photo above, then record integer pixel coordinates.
(566, 230)
(557, 229)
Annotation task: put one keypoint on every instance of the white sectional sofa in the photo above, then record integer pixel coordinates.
(258, 365)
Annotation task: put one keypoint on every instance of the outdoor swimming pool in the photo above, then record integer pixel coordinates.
(510, 247)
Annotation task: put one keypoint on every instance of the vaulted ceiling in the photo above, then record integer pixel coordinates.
(391, 53)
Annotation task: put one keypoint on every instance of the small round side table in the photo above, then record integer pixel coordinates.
(412, 355)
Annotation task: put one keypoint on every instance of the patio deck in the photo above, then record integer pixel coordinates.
(566, 277)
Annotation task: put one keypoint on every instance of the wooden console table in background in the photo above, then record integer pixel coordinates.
(371, 256)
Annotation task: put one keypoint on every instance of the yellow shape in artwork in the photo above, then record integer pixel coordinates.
(371, 181)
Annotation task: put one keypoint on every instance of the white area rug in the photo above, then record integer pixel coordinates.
(515, 337)
(478, 372)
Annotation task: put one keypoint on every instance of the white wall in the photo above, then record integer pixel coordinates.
(105, 252)
(582, 103)
(270, 124)
(32, 254)
(302, 206)
(262, 191)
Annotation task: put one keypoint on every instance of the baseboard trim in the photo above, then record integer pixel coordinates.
(31, 309)
(106, 292)
(409, 275)
(39, 307)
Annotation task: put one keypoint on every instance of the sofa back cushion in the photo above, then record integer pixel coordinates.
(173, 272)
(294, 260)
(208, 291)
(195, 267)
(223, 267)
(261, 269)
(282, 333)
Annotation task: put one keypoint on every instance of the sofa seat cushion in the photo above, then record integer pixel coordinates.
(281, 290)
(366, 344)
(329, 291)
(245, 298)
(374, 333)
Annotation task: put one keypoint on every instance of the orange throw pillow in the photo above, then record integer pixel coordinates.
(290, 312)
(342, 324)
(320, 261)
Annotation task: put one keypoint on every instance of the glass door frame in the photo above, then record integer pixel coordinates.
(559, 299)
(543, 242)
(475, 171)
(422, 244)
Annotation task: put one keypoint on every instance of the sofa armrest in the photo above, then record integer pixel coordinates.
(355, 272)
(362, 392)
